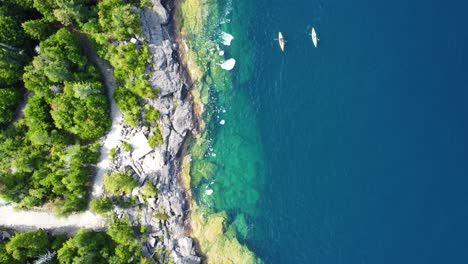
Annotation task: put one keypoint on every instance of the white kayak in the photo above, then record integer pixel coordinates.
(314, 37)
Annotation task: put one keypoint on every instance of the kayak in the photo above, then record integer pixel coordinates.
(281, 41)
(314, 37)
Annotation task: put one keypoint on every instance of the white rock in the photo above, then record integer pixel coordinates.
(227, 38)
(229, 64)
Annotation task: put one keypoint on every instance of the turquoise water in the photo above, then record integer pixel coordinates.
(354, 152)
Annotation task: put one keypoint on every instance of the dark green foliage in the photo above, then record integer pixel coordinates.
(10, 31)
(119, 182)
(119, 244)
(82, 110)
(101, 205)
(11, 66)
(38, 120)
(86, 247)
(24, 246)
(128, 60)
(68, 13)
(38, 29)
(156, 138)
(8, 100)
(41, 172)
(118, 18)
(49, 161)
(77, 105)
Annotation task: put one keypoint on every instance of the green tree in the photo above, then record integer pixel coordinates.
(11, 32)
(8, 100)
(11, 66)
(86, 247)
(101, 205)
(4, 256)
(156, 138)
(38, 120)
(151, 114)
(23, 246)
(119, 182)
(128, 247)
(38, 29)
(118, 18)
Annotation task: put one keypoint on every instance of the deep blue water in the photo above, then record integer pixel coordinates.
(365, 137)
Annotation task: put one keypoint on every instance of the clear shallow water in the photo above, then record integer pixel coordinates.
(356, 150)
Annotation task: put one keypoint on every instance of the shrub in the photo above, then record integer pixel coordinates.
(119, 182)
(156, 138)
(101, 205)
(149, 190)
(113, 153)
(151, 114)
(118, 19)
(161, 216)
(127, 147)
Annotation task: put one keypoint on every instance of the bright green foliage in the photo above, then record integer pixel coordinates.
(151, 114)
(128, 104)
(118, 18)
(127, 147)
(24, 246)
(4, 256)
(101, 205)
(42, 172)
(77, 101)
(119, 244)
(80, 110)
(119, 182)
(156, 138)
(38, 29)
(113, 153)
(149, 190)
(128, 60)
(161, 216)
(68, 13)
(86, 247)
(8, 101)
(123, 234)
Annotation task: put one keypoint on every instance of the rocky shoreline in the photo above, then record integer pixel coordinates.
(166, 237)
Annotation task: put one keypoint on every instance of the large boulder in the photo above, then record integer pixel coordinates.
(183, 119)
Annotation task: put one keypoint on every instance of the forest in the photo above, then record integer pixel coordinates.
(120, 243)
(53, 105)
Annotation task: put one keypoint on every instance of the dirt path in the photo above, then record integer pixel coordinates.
(113, 137)
(28, 220)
